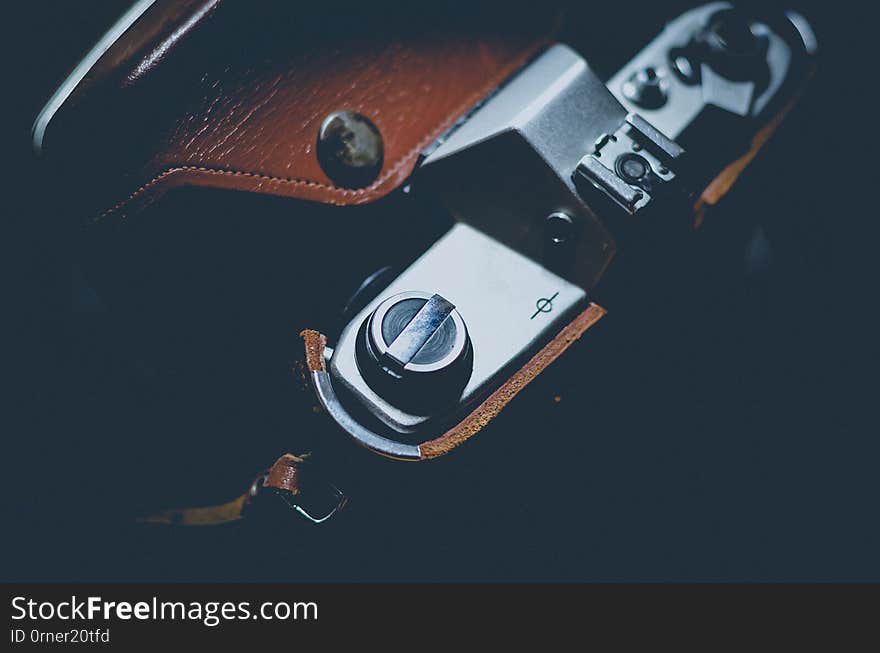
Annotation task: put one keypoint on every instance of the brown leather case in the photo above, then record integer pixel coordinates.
(230, 95)
(175, 103)
(245, 117)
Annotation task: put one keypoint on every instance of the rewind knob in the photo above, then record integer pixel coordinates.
(414, 350)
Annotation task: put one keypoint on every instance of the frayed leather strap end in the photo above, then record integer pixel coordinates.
(283, 475)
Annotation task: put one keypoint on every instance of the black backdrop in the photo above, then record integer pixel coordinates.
(731, 442)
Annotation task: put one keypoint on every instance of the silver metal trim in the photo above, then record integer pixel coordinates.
(804, 30)
(340, 503)
(67, 87)
(362, 435)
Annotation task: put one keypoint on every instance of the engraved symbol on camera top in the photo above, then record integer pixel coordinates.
(544, 305)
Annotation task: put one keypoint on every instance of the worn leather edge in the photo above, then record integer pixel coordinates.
(284, 475)
(315, 342)
(495, 402)
(183, 174)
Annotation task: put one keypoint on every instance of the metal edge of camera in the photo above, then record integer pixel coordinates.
(547, 127)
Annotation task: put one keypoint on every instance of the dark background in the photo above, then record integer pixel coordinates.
(714, 427)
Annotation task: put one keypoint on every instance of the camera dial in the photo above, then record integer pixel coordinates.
(414, 350)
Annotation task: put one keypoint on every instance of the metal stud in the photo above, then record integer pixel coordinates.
(350, 149)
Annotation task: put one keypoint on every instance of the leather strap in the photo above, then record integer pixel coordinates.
(284, 476)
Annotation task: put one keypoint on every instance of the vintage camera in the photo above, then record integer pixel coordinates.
(541, 178)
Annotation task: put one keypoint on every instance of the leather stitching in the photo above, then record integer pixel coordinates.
(336, 190)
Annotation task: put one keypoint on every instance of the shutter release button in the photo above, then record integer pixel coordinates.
(414, 350)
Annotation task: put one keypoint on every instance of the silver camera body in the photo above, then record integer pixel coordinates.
(539, 177)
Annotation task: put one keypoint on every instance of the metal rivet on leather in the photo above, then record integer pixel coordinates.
(350, 149)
